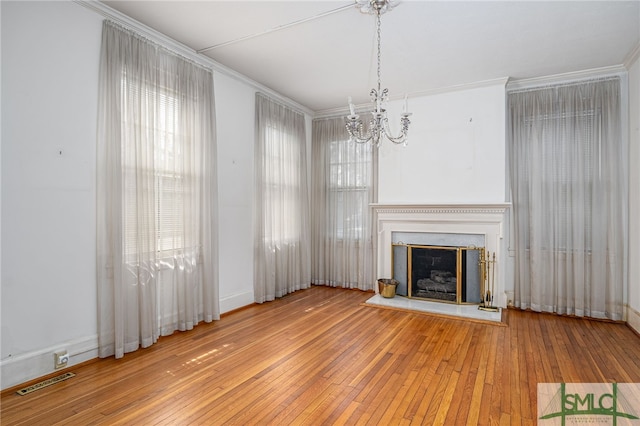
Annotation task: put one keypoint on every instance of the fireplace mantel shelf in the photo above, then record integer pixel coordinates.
(442, 208)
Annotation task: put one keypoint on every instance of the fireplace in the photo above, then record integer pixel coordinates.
(439, 273)
(409, 234)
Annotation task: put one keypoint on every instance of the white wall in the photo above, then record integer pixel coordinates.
(633, 311)
(50, 54)
(235, 124)
(455, 155)
(50, 60)
(0, 186)
(456, 150)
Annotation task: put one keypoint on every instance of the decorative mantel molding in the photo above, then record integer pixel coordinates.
(499, 208)
(481, 219)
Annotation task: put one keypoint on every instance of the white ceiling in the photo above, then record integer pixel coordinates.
(426, 45)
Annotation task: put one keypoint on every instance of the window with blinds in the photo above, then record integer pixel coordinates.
(349, 187)
(157, 187)
(282, 185)
(571, 166)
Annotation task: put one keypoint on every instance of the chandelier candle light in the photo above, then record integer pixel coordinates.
(379, 124)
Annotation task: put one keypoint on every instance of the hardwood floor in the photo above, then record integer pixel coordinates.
(319, 356)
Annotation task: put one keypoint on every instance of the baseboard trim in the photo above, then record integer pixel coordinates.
(32, 365)
(236, 301)
(633, 319)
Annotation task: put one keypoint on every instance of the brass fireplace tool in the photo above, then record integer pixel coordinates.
(488, 275)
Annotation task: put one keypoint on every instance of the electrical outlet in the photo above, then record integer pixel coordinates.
(61, 359)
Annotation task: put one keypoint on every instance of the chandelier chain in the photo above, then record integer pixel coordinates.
(379, 33)
(379, 123)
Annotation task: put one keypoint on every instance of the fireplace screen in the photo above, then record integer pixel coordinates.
(446, 274)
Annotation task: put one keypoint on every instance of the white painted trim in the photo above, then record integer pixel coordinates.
(633, 318)
(632, 57)
(344, 111)
(183, 50)
(482, 219)
(468, 86)
(31, 365)
(235, 301)
(548, 80)
(499, 208)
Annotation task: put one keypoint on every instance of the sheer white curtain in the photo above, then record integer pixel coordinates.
(156, 194)
(343, 186)
(568, 177)
(281, 219)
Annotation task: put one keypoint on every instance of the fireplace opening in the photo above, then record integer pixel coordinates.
(438, 273)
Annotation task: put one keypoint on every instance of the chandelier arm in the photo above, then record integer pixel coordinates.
(402, 138)
(361, 141)
(354, 127)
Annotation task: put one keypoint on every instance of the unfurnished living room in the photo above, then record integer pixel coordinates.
(320, 212)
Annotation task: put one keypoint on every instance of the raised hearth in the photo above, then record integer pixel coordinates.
(442, 309)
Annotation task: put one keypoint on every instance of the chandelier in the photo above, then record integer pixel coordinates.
(379, 124)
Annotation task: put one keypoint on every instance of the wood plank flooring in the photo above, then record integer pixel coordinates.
(320, 357)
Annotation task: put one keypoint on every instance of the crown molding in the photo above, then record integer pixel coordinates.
(183, 50)
(343, 111)
(336, 112)
(632, 57)
(145, 31)
(526, 83)
(502, 81)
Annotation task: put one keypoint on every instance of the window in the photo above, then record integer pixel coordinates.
(282, 183)
(281, 201)
(570, 166)
(343, 188)
(159, 179)
(568, 180)
(156, 183)
(349, 188)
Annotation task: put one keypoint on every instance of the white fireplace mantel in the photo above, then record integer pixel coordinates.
(482, 219)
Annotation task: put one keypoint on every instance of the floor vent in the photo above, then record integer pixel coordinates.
(45, 383)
